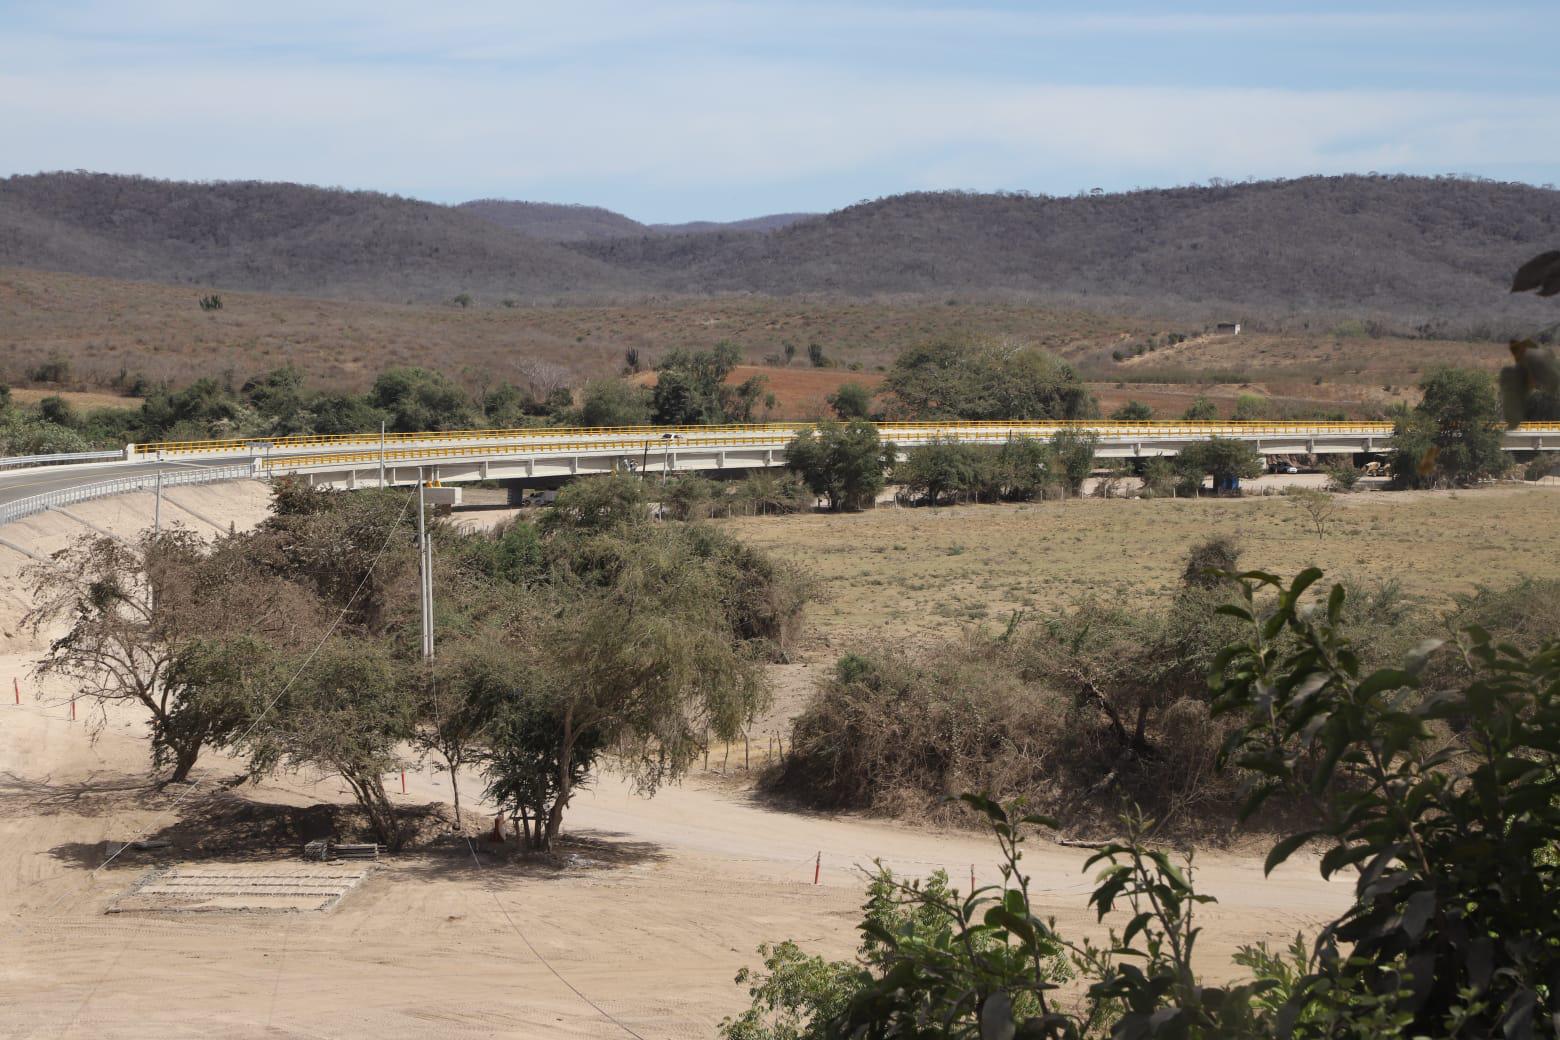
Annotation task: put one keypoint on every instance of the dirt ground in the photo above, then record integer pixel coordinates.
(635, 930)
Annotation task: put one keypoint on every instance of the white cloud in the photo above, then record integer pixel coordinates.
(527, 100)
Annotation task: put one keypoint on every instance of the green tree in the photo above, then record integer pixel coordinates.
(521, 742)
(941, 469)
(205, 408)
(342, 413)
(764, 493)
(689, 496)
(1074, 455)
(691, 388)
(959, 380)
(1453, 435)
(598, 504)
(1159, 477)
(507, 407)
(1026, 468)
(347, 712)
(1225, 459)
(842, 462)
(418, 399)
(851, 401)
(1133, 411)
(1249, 407)
(55, 409)
(1201, 410)
(614, 402)
(637, 650)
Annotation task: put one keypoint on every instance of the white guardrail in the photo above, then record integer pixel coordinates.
(23, 507)
(21, 461)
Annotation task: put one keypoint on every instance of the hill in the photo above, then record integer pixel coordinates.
(569, 223)
(1419, 251)
(281, 237)
(1423, 256)
(553, 222)
(772, 222)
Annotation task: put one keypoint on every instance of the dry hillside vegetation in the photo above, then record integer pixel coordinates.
(564, 223)
(1420, 251)
(1425, 255)
(281, 237)
(106, 327)
(914, 572)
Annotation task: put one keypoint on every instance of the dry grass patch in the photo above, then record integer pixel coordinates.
(919, 572)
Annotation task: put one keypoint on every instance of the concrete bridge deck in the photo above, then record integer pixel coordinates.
(548, 455)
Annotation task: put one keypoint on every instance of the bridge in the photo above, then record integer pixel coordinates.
(545, 456)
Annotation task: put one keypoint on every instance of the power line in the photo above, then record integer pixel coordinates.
(603, 1012)
(330, 631)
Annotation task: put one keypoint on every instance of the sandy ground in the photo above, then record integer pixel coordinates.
(637, 932)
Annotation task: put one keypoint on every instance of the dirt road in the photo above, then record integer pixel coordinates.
(638, 933)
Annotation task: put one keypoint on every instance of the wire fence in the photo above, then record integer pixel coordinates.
(24, 507)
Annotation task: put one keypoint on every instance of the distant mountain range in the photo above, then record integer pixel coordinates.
(553, 222)
(1416, 249)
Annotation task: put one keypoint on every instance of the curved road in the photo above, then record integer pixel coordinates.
(19, 484)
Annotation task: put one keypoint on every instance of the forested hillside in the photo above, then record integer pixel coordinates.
(1410, 248)
(572, 223)
(281, 237)
(1421, 254)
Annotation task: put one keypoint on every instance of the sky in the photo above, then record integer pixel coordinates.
(671, 111)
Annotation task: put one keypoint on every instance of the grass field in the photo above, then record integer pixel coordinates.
(897, 572)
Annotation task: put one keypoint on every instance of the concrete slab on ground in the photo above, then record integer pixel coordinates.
(241, 888)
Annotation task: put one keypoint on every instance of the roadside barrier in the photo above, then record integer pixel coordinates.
(23, 507)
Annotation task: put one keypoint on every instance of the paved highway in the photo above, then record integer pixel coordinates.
(19, 484)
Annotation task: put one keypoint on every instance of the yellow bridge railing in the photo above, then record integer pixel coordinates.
(292, 450)
(1109, 428)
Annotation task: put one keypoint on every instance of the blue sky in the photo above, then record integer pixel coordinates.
(691, 110)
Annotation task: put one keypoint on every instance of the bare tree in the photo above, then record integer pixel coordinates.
(136, 615)
(543, 378)
(1318, 507)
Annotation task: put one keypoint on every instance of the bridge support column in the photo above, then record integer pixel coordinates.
(720, 460)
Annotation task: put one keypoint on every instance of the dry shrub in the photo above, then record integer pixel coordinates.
(895, 732)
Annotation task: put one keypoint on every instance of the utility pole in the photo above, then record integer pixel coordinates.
(157, 512)
(425, 566)
(381, 454)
